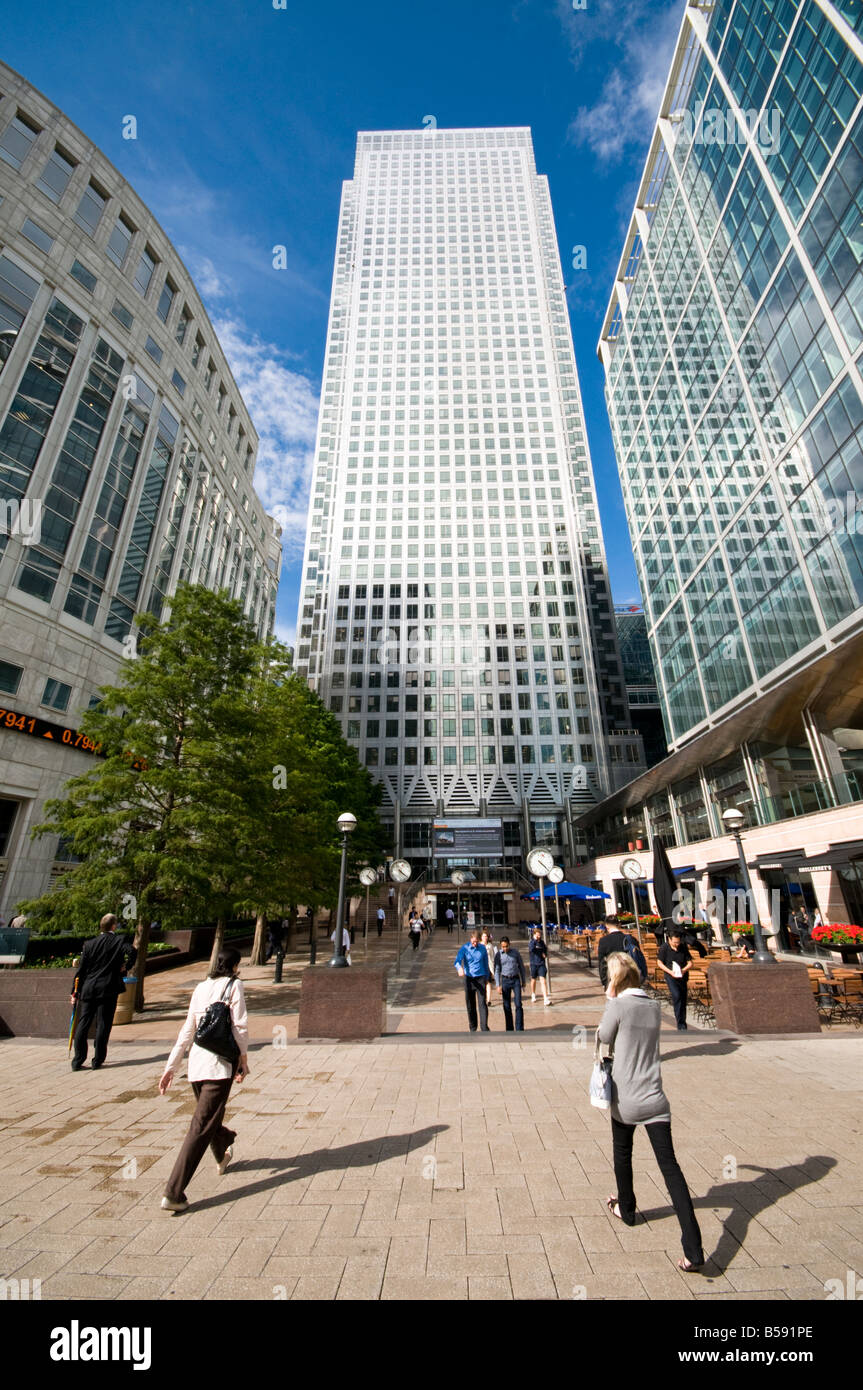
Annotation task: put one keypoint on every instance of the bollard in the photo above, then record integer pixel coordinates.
(280, 956)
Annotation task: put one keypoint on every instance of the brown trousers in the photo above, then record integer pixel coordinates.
(206, 1129)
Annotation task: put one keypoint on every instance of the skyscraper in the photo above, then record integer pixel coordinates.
(455, 610)
(731, 347)
(732, 351)
(127, 457)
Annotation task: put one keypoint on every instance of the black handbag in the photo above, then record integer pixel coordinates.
(214, 1032)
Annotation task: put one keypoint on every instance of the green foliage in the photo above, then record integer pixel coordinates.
(220, 788)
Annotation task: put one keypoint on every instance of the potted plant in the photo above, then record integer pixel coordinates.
(841, 936)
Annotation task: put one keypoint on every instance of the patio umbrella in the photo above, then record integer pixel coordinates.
(664, 884)
(566, 890)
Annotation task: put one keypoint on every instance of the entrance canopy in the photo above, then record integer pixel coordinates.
(567, 890)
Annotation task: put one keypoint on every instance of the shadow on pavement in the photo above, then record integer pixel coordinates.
(747, 1200)
(363, 1153)
(723, 1047)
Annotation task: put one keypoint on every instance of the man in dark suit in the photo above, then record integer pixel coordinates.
(105, 959)
(617, 940)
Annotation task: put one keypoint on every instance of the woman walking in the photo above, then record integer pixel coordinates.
(211, 1076)
(538, 956)
(487, 940)
(414, 929)
(630, 1026)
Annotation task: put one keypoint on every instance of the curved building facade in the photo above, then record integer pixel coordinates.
(127, 455)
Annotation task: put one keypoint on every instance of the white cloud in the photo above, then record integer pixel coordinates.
(283, 405)
(285, 632)
(629, 101)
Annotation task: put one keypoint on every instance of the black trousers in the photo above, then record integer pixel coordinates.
(99, 1008)
(415, 939)
(474, 989)
(677, 991)
(511, 993)
(663, 1149)
(206, 1129)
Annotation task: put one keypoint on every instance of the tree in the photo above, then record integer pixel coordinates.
(146, 820)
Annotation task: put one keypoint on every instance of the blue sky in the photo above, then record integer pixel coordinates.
(247, 118)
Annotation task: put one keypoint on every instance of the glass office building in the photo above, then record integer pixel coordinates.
(732, 352)
(731, 348)
(455, 610)
(127, 455)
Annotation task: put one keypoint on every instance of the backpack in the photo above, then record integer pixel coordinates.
(214, 1032)
(632, 948)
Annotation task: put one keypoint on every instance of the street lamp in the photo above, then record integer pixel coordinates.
(367, 878)
(556, 876)
(540, 863)
(347, 824)
(400, 872)
(734, 819)
(458, 879)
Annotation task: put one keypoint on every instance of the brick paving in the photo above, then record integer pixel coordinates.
(428, 1164)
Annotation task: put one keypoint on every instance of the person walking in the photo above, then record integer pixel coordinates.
(105, 959)
(538, 955)
(472, 963)
(346, 942)
(211, 1076)
(618, 940)
(487, 941)
(450, 919)
(275, 939)
(674, 959)
(414, 929)
(510, 979)
(381, 919)
(629, 1027)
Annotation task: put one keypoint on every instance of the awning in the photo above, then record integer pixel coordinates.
(567, 890)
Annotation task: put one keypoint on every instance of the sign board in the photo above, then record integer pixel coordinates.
(13, 944)
(451, 839)
(470, 918)
(40, 728)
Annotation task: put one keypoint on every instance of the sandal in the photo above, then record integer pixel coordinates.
(614, 1207)
(688, 1267)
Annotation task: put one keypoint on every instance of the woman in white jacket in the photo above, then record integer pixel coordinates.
(211, 1077)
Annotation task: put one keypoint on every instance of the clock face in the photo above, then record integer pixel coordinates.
(631, 869)
(555, 875)
(368, 877)
(400, 871)
(540, 862)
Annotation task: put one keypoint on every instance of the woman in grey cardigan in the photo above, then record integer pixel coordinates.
(630, 1027)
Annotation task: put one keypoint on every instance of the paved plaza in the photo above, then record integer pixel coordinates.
(428, 1164)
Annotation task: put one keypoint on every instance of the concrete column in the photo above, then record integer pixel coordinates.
(712, 814)
(829, 896)
(397, 828)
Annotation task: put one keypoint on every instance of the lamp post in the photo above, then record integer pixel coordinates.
(556, 877)
(400, 872)
(367, 877)
(347, 824)
(458, 879)
(540, 863)
(734, 819)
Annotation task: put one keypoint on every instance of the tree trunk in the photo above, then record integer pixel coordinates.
(291, 935)
(218, 942)
(259, 945)
(142, 941)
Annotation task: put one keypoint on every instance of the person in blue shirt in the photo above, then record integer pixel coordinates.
(509, 977)
(472, 964)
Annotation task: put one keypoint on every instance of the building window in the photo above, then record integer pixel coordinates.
(183, 325)
(84, 276)
(17, 140)
(144, 273)
(39, 237)
(122, 315)
(119, 240)
(56, 695)
(10, 677)
(55, 176)
(153, 349)
(90, 209)
(166, 299)
(179, 383)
